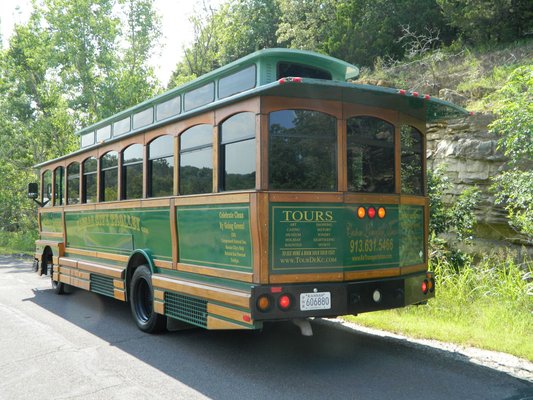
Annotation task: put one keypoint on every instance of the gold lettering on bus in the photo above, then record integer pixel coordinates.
(307, 216)
(125, 221)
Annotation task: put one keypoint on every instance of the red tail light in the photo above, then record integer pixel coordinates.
(284, 302)
(425, 286)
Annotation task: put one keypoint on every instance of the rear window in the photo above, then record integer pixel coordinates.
(303, 71)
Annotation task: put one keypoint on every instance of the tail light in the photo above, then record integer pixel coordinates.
(284, 302)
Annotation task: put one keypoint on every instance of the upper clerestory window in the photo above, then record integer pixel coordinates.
(236, 83)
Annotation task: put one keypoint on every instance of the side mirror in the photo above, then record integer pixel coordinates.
(33, 190)
(33, 193)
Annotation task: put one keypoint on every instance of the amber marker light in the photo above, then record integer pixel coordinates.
(263, 303)
(361, 212)
(381, 212)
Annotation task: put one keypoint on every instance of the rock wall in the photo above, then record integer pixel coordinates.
(471, 158)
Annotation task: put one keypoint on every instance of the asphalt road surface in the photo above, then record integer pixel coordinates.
(85, 346)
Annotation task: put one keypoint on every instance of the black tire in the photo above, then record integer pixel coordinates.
(142, 302)
(58, 287)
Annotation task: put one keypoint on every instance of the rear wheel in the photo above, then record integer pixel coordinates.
(48, 267)
(142, 302)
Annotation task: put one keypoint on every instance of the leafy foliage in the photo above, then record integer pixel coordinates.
(65, 68)
(514, 187)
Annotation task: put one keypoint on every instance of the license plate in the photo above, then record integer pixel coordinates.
(315, 301)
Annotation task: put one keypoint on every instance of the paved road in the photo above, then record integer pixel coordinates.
(84, 346)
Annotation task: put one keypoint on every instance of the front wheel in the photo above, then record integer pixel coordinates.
(142, 302)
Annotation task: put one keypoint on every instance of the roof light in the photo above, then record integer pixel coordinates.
(371, 212)
(381, 212)
(282, 81)
(402, 91)
(415, 94)
(361, 212)
(297, 79)
(427, 97)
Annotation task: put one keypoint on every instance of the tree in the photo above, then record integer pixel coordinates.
(514, 187)
(133, 80)
(482, 21)
(237, 28)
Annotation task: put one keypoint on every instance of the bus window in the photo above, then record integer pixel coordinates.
(196, 160)
(73, 183)
(132, 172)
(370, 155)
(103, 133)
(161, 167)
(109, 176)
(87, 139)
(302, 151)
(168, 108)
(46, 195)
(237, 82)
(411, 161)
(237, 152)
(303, 71)
(89, 180)
(199, 97)
(59, 179)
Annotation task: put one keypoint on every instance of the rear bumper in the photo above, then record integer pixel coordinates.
(345, 298)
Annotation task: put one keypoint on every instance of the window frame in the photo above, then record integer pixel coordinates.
(124, 168)
(193, 149)
(101, 174)
(221, 162)
(149, 168)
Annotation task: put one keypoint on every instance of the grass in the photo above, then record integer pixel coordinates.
(488, 305)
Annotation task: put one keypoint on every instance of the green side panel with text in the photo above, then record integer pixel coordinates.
(329, 237)
(217, 236)
(121, 231)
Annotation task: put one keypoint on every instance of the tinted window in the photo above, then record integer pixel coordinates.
(237, 155)
(196, 160)
(370, 155)
(132, 172)
(161, 166)
(109, 176)
(411, 162)
(303, 151)
(302, 71)
(59, 177)
(237, 82)
(46, 194)
(199, 97)
(87, 139)
(103, 133)
(143, 118)
(168, 108)
(121, 127)
(89, 180)
(73, 183)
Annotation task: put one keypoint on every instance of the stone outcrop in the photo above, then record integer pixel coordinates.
(470, 155)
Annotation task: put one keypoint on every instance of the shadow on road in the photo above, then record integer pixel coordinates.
(280, 363)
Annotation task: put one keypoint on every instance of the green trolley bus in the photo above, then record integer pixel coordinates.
(269, 189)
